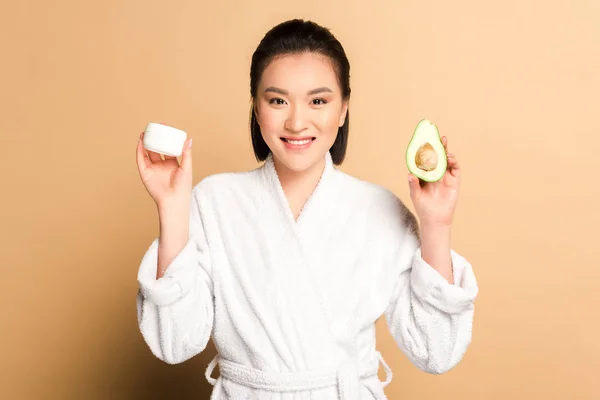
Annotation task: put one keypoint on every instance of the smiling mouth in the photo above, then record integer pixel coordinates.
(300, 141)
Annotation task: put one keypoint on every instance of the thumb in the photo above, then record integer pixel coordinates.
(413, 185)
(186, 159)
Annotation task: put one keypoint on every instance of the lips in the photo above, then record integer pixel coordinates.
(298, 143)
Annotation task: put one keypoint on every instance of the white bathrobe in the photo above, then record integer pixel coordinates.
(292, 305)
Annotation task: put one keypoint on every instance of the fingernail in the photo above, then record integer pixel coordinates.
(190, 143)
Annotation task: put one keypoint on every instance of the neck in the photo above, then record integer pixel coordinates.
(292, 180)
(298, 185)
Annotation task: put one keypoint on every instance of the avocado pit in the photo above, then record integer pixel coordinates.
(426, 157)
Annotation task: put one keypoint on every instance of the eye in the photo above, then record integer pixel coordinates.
(277, 101)
(319, 102)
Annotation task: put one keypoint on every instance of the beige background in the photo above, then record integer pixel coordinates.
(514, 84)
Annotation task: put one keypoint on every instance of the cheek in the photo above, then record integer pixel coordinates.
(270, 120)
(329, 121)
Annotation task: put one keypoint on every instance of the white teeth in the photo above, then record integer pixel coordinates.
(299, 142)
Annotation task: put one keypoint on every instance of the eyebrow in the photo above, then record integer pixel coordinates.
(285, 92)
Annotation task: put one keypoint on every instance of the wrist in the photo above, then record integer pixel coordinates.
(436, 248)
(435, 226)
(173, 207)
(435, 234)
(174, 219)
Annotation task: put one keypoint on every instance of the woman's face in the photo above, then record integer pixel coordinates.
(299, 108)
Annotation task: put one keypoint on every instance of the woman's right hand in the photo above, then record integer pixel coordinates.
(166, 180)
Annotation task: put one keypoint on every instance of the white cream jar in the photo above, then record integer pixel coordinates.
(164, 139)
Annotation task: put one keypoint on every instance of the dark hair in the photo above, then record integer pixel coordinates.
(292, 37)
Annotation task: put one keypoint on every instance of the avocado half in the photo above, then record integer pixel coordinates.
(425, 154)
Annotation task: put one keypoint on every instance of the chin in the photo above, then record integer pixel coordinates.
(299, 162)
(296, 162)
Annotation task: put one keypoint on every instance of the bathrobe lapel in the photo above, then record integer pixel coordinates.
(303, 240)
(315, 205)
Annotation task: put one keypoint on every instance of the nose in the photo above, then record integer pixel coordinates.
(297, 120)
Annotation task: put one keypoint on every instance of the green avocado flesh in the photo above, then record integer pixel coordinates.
(425, 154)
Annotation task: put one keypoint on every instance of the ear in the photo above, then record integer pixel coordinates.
(343, 114)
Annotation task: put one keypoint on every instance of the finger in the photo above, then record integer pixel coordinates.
(445, 143)
(186, 155)
(141, 157)
(154, 156)
(172, 160)
(414, 186)
(452, 161)
(453, 165)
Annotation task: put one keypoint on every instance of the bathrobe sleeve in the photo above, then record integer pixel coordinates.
(430, 319)
(176, 312)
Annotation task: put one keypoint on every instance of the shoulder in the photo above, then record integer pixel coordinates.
(368, 191)
(379, 202)
(224, 183)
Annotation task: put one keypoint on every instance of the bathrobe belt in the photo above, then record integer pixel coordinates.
(346, 377)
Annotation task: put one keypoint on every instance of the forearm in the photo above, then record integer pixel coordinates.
(174, 234)
(435, 249)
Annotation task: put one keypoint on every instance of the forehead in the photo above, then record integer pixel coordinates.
(300, 73)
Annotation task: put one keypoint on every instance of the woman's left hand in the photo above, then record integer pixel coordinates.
(435, 202)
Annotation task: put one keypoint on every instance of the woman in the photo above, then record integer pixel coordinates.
(289, 265)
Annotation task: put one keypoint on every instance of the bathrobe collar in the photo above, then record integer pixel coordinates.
(315, 202)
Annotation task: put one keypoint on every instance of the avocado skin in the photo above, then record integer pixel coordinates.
(426, 127)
